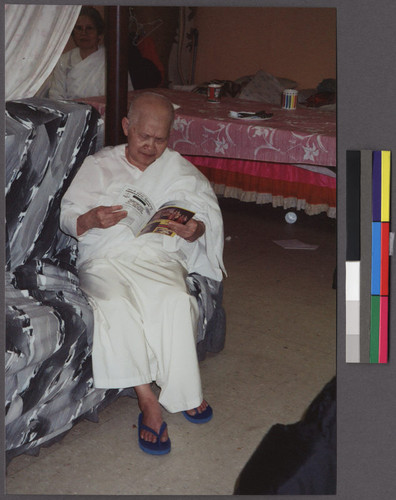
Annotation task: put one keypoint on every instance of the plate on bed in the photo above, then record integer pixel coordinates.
(250, 115)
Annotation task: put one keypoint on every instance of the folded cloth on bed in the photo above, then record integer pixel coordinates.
(321, 99)
(263, 87)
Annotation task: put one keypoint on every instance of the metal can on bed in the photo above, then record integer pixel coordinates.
(289, 99)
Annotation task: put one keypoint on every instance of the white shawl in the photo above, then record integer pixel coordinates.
(74, 77)
(87, 78)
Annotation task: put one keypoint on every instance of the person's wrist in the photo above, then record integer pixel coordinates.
(201, 227)
(81, 226)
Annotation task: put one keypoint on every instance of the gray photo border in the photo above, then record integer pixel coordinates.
(366, 119)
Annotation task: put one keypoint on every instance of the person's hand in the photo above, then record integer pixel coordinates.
(101, 217)
(190, 231)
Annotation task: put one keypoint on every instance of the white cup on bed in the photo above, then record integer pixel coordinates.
(214, 92)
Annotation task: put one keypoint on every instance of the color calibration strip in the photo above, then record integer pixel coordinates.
(352, 264)
(368, 187)
(380, 257)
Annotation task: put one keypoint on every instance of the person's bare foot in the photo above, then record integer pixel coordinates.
(202, 407)
(152, 415)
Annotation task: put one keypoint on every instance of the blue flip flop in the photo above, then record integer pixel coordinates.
(157, 448)
(200, 418)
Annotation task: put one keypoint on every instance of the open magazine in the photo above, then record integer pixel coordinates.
(144, 218)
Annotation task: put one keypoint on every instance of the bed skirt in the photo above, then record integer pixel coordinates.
(303, 187)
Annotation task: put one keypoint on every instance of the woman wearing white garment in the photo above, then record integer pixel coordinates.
(81, 72)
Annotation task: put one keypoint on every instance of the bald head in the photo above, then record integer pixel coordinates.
(151, 104)
(147, 128)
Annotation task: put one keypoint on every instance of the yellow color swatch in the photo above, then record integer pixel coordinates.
(385, 186)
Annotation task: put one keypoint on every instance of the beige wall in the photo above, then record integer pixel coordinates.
(297, 43)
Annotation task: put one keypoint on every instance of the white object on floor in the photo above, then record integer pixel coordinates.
(291, 217)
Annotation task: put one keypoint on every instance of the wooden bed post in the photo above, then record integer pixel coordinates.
(117, 73)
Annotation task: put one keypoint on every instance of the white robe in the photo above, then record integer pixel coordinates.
(145, 319)
(171, 177)
(74, 77)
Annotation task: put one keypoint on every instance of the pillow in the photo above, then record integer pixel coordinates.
(244, 80)
(305, 94)
(262, 87)
(286, 83)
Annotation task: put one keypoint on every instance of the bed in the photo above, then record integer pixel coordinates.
(288, 160)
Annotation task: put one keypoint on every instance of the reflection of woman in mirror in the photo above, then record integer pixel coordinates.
(81, 72)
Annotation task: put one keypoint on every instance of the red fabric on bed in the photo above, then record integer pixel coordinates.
(276, 179)
(279, 171)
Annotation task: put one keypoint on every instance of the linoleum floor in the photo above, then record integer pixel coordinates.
(279, 353)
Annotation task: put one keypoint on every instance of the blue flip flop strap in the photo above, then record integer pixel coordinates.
(199, 416)
(149, 429)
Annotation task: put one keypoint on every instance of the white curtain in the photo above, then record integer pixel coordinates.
(35, 36)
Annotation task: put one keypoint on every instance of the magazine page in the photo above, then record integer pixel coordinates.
(138, 205)
(170, 211)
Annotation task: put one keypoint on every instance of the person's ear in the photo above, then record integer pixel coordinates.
(125, 125)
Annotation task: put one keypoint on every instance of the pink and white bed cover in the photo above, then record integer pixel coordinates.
(202, 128)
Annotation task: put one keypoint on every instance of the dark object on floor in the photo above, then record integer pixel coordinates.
(296, 459)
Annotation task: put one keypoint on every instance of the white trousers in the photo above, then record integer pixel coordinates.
(145, 324)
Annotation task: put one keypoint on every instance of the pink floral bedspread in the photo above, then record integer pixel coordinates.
(305, 135)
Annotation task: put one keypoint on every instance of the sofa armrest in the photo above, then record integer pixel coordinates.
(212, 320)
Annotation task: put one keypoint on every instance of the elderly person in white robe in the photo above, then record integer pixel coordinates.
(145, 319)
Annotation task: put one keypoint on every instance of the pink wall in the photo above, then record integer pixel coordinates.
(296, 43)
